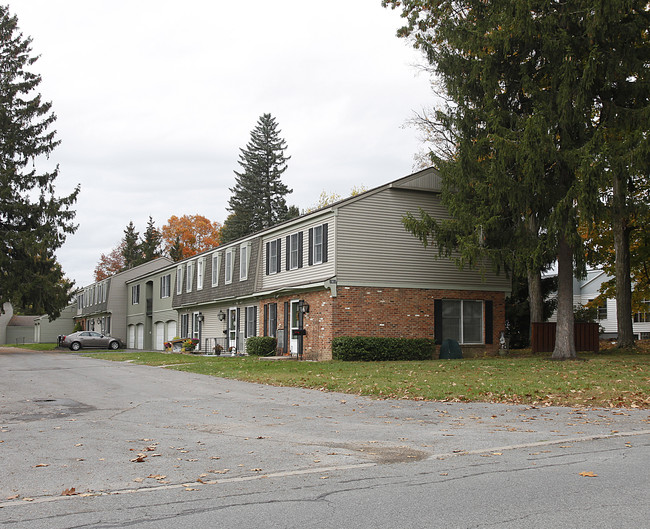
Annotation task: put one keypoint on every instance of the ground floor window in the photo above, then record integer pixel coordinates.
(270, 319)
(251, 321)
(462, 320)
(185, 325)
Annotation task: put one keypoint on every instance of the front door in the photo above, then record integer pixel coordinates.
(294, 325)
(233, 328)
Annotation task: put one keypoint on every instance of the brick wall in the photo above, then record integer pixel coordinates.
(391, 312)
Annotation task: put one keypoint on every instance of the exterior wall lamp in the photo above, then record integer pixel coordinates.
(221, 315)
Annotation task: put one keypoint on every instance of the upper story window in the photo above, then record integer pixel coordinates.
(200, 271)
(318, 244)
(244, 257)
(216, 265)
(273, 253)
(294, 251)
(189, 276)
(135, 294)
(230, 258)
(179, 279)
(165, 286)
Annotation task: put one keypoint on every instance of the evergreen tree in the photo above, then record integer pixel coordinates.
(33, 221)
(131, 250)
(258, 198)
(176, 249)
(151, 243)
(524, 83)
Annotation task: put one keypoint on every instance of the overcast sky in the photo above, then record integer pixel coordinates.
(155, 98)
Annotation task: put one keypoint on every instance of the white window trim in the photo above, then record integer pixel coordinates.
(179, 279)
(216, 268)
(189, 276)
(200, 273)
(229, 267)
(294, 249)
(244, 260)
(313, 249)
(462, 341)
(134, 289)
(273, 257)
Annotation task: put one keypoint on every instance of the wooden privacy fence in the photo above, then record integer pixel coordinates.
(585, 337)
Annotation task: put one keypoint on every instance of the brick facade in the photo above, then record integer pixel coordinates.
(390, 312)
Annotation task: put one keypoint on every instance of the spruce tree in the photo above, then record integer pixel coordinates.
(34, 221)
(524, 81)
(131, 247)
(258, 198)
(151, 242)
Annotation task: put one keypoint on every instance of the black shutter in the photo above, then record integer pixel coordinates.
(279, 254)
(489, 321)
(325, 242)
(311, 244)
(288, 253)
(300, 249)
(245, 323)
(266, 319)
(268, 246)
(254, 321)
(237, 327)
(437, 321)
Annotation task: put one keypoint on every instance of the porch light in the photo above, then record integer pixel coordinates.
(221, 315)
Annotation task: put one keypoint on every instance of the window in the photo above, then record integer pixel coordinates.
(200, 270)
(185, 325)
(179, 280)
(251, 321)
(216, 264)
(462, 320)
(165, 286)
(105, 290)
(230, 257)
(294, 251)
(243, 261)
(318, 244)
(189, 276)
(643, 317)
(273, 253)
(135, 294)
(270, 319)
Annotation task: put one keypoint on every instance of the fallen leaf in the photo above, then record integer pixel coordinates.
(157, 476)
(69, 492)
(256, 470)
(190, 489)
(13, 497)
(324, 477)
(28, 499)
(79, 444)
(138, 480)
(219, 471)
(149, 448)
(497, 453)
(588, 474)
(139, 459)
(41, 465)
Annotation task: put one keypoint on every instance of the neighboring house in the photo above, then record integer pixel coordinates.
(46, 331)
(588, 289)
(355, 267)
(20, 329)
(102, 306)
(150, 318)
(6, 314)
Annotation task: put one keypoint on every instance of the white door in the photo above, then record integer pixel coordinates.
(233, 329)
(294, 325)
(160, 336)
(131, 340)
(139, 344)
(171, 330)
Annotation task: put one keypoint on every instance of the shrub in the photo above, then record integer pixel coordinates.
(261, 345)
(372, 349)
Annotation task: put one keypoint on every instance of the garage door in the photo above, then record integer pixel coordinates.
(171, 330)
(131, 340)
(160, 336)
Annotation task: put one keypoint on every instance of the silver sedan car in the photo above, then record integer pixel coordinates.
(90, 340)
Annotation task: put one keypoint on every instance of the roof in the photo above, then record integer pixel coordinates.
(21, 321)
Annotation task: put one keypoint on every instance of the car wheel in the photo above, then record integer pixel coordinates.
(75, 346)
(113, 345)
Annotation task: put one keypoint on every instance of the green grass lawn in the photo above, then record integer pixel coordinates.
(610, 379)
(35, 346)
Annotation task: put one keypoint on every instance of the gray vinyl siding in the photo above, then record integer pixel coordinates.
(307, 274)
(374, 249)
(50, 330)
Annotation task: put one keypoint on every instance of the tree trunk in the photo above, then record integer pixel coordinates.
(621, 233)
(564, 334)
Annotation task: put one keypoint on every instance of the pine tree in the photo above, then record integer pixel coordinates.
(525, 80)
(258, 198)
(34, 222)
(151, 242)
(131, 250)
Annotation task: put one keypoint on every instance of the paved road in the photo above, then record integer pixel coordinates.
(150, 447)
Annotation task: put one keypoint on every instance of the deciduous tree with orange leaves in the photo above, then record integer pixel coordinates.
(191, 234)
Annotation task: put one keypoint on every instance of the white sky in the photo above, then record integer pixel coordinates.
(155, 98)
